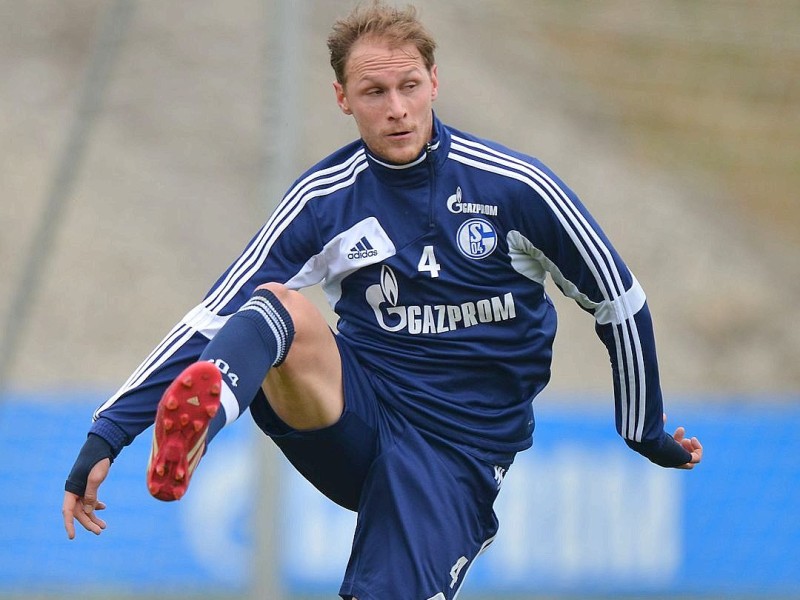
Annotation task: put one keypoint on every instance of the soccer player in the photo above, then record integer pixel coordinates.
(432, 246)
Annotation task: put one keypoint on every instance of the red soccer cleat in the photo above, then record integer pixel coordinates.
(181, 428)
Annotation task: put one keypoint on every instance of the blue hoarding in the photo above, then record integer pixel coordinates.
(580, 513)
(149, 546)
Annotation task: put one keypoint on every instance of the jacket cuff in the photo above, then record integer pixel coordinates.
(111, 433)
(665, 452)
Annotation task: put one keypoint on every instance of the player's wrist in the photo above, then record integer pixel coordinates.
(665, 452)
(93, 451)
(111, 433)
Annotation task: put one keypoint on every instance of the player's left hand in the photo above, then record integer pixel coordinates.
(691, 445)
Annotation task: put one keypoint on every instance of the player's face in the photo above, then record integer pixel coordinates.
(390, 93)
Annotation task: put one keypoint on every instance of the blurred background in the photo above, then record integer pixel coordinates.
(143, 143)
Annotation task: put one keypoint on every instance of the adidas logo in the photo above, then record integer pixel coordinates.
(363, 249)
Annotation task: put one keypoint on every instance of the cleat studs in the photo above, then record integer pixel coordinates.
(182, 421)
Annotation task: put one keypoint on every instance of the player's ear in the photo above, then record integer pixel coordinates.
(435, 83)
(341, 98)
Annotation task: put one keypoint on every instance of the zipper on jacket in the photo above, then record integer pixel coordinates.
(432, 171)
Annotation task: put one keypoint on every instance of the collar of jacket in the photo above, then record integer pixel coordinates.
(419, 169)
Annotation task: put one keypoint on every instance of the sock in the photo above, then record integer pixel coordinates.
(254, 339)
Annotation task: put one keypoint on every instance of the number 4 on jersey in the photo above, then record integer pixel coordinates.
(428, 263)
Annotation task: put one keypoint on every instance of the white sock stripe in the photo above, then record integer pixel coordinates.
(229, 403)
(271, 313)
(274, 320)
(275, 330)
(279, 325)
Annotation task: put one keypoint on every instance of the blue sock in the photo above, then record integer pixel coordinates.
(254, 339)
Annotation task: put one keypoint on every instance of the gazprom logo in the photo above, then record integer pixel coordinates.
(476, 238)
(416, 319)
(456, 205)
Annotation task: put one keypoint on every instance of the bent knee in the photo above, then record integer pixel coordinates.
(305, 315)
(293, 301)
(281, 292)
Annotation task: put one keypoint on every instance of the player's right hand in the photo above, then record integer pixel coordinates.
(83, 508)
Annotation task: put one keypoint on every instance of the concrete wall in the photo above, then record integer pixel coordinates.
(678, 126)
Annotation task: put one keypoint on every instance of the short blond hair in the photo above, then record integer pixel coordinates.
(397, 26)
